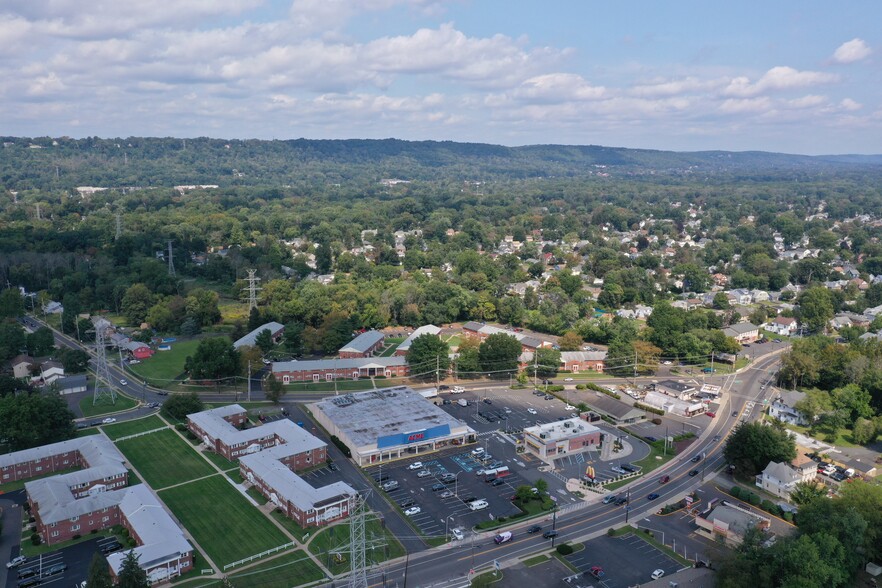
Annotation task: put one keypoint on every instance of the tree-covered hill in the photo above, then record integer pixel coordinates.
(64, 163)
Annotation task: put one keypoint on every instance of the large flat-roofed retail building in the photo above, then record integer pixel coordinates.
(381, 425)
(557, 439)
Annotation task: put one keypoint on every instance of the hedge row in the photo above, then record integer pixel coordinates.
(648, 408)
(341, 446)
(755, 500)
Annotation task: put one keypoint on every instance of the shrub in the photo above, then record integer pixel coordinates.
(768, 506)
(610, 532)
(753, 499)
(76, 536)
(35, 539)
(602, 390)
(565, 549)
(93, 531)
(555, 388)
(648, 408)
(341, 446)
(788, 516)
(656, 421)
(181, 427)
(735, 491)
(580, 386)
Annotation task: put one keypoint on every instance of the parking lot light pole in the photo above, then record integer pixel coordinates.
(446, 523)
(456, 484)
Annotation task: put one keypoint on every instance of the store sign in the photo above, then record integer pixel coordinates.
(416, 437)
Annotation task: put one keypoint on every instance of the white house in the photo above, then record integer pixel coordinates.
(784, 409)
(782, 325)
(779, 478)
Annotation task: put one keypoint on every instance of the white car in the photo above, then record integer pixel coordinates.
(423, 473)
(413, 510)
(108, 420)
(123, 383)
(532, 411)
(665, 363)
(658, 574)
(457, 533)
(417, 465)
(569, 407)
(18, 560)
(568, 379)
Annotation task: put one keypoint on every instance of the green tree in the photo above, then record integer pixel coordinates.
(292, 339)
(215, 358)
(428, 356)
(41, 342)
(541, 484)
(202, 306)
(815, 308)
(99, 572)
(667, 323)
(863, 431)
(324, 259)
(751, 447)
(135, 303)
(547, 362)
(721, 301)
(74, 361)
(31, 420)
(178, 406)
(468, 360)
(131, 575)
(273, 388)
(11, 303)
(498, 355)
(805, 492)
(570, 341)
(254, 319)
(12, 339)
(264, 340)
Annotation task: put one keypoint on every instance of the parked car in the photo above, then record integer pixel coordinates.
(381, 477)
(438, 487)
(618, 470)
(390, 485)
(487, 401)
(658, 574)
(457, 533)
(16, 561)
(445, 494)
(597, 572)
(532, 410)
(443, 387)
(497, 482)
(417, 465)
(550, 533)
(652, 496)
(447, 477)
(569, 407)
(413, 510)
(490, 479)
(651, 439)
(56, 569)
(110, 547)
(628, 468)
(406, 502)
(711, 414)
(568, 379)
(32, 581)
(445, 401)
(469, 499)
(549, 397)
(423, 473)
(534, 529)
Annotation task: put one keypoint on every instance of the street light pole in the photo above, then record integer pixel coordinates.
(446, 523)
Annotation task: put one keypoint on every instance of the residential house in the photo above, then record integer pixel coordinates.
(742, 332)
(21, 366)
(783, 408)
(779, 478)
(782, 325)
(740, 296)
(138, 350)
(53, 307)
(50, 371)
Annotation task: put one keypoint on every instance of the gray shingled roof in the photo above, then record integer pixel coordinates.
(424, 330)
(568, 356)
(340, 364)
(250, 338)
(363, 342)
(213, 423)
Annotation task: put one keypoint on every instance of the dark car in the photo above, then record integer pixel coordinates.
(28, 572)
(285, 412)
(696, 459)
(406, 502)
(489, 479)
(447, 477)
(693, 473)
(549, 534)
(34, 581)
(446, 401)
(549, 397)
(381, 477)
(438, 487)
(497, 482)
(56, 569)
(468, 499)
(628, 468)
(534, 529)
(664, 479)
(621, 501)
(332, 466)
(444, 387)
(651, 439)
(652, 496)
(110, 547)
(734, 413)
(487, 401)
(162, 393)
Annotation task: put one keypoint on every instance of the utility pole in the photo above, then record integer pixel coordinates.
(118, 226)
(358, 568)
(535, 368)
(171, 260)
(249, 380)
(437, 370)
(628, 506)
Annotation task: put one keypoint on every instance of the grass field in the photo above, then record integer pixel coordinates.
(131, 427)
(347, 385)
(220, 461)
(104, 405)
(290, 569)
(337, 537)
(165, 366)
(87, 432)
(164, 459)
(221, 520)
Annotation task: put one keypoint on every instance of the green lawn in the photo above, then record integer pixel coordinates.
(289, 524)
(220, 461)
(454, 341)
(535, 560)
(337, 537)
(89, 431)
(165, 366)
(164, 459)
(131, 427)
(221, 520)
(290, 569)
(104, 405)
(648, 464)
(342, 385)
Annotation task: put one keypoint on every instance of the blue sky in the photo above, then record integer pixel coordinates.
(798, 77)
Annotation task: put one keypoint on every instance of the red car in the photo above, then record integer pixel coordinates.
(711, 414)
(664, 480)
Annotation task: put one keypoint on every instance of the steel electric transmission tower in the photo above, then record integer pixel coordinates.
(171, 260)
(118, 226)
(252, 289)
(102, 372)
(358, 569)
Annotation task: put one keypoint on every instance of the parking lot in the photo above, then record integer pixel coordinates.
(62, 568)
(626, 561)
(444, 500)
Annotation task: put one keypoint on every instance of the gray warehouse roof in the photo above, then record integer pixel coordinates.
(363, 342)
(365, 416)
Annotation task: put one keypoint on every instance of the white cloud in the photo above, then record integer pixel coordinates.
(746, 105)
(809, 101)
(558, 87)
(676, 87)
(851, 51)
(850, 105)
(777, 78)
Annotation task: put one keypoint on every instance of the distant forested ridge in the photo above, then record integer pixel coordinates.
(65, 163)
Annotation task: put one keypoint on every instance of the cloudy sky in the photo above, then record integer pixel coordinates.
(799, 76)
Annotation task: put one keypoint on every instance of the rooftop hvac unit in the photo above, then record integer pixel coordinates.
(542, 435)
(568, 424)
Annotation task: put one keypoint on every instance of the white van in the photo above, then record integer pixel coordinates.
(477, 451)
(478, 505)
(457, 390)
(502, 537)
(462, 402)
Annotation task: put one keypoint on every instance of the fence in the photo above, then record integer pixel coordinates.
(141, 434)
(251, 558)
